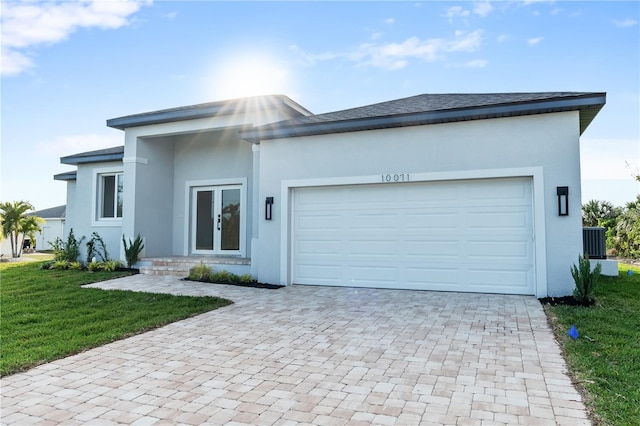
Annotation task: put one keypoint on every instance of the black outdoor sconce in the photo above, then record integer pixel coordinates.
(563, 200)
(268, 208)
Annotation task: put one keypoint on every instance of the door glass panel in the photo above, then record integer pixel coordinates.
(230, 232)
(204, 220)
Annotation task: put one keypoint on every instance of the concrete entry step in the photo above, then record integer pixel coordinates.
(179, 266)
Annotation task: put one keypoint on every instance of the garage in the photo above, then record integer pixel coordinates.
(471, 235)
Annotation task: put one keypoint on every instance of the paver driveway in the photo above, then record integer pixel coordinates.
(313, 355)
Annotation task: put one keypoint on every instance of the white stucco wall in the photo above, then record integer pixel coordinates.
(81, 214)
(548, 141)
(52, 228)
(206, 159)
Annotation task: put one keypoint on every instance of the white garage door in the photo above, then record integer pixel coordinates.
(467, 235)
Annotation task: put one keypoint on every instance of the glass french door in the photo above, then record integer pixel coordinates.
(215, 220)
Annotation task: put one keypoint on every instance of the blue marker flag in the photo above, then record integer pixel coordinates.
(573, 332)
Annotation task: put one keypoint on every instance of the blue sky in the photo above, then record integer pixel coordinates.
(69, 66)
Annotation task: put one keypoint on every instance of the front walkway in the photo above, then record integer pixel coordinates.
(313, 355)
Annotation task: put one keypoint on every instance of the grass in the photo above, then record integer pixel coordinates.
(605, 359)
(46, 315)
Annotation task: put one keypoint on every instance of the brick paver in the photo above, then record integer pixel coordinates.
(313, 355)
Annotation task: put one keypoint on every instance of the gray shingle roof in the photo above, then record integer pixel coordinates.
(57, 212)
(107, 154)
(211, 109)
(72, 175)
(432, 109)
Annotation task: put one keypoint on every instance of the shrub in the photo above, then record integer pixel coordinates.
(96, 248)
(200, 272)
(76, 266)
(246, 279)
(111, 265)
(48, 264)
(69, 250)
(95, 266)
(585, 280)
(60, 265)
(221, 277)
(627, 238)
(132, 252)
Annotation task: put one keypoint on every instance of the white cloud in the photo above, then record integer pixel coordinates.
(73, 144)
(456, 12)
(502, 38)
(389, 21)
(29, 24)
(476, 63)
(534, 41)
(625, 23)
(394, 56)
(170, 15)
(482, 8)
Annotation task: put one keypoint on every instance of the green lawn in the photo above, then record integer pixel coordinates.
(605, 359)
(46, 315)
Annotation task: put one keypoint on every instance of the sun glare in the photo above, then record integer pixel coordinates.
(250, 75)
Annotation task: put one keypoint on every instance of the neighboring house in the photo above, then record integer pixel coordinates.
(52, 228)
(453, 192)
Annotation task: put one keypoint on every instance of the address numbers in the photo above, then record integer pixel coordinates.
(395, 177)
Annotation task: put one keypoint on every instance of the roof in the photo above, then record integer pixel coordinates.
(433, 109)
(66, 176)
(57, 212)
(211, 109)
(109, 154)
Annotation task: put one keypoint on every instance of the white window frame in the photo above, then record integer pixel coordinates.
(97, 191)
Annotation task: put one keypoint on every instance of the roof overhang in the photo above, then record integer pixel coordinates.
(588, 105)
(66, 176)
(209, 110)
(102, 155)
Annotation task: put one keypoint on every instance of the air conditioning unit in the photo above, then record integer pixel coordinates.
(594, 242)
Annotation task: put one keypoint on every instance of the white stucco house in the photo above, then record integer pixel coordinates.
(52, 228)
(451, 192)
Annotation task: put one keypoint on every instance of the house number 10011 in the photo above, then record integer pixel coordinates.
(396, 177)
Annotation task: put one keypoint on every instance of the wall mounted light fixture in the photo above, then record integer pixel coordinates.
(563, 200)
(268, 208)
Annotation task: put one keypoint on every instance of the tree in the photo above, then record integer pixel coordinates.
(627, 240)
(595, 212)
(16, 224)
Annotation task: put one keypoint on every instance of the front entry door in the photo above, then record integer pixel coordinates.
(215, 220)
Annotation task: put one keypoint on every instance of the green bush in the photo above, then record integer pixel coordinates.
(585, 280)
(68, 251)
(95, 266)
(246, 279)
(627, 239)
(96, 248)
(60, 265)
(132, 252)
(76, 266)
(200, 272)
(111, 265)
(221, 277)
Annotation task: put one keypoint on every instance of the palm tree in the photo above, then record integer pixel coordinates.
(16, 223)
(595, 212)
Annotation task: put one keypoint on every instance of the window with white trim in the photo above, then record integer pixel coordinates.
(110, 186)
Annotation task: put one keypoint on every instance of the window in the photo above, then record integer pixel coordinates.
(110, 196)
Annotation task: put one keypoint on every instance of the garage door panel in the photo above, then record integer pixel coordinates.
(491, 220)
(319, 247)
(473, 235)
(499, 251)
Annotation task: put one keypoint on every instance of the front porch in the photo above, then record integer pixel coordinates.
(179, 266)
